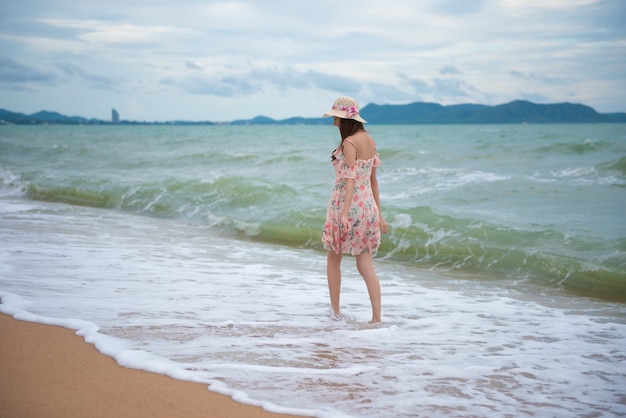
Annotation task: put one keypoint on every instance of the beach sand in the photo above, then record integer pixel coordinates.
(48, 371)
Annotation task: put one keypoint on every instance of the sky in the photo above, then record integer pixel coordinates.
(205, 60)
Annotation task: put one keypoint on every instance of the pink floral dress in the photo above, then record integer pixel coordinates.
(364, 235)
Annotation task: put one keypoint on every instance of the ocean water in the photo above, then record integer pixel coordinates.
(195, 252)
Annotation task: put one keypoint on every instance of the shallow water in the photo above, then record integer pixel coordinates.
(164, 277)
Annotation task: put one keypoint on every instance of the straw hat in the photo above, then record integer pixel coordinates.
(346, 108)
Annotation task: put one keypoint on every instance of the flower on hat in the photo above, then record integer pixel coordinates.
(351, 111)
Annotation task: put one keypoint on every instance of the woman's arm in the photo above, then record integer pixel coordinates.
(349, 153)
(374, 183)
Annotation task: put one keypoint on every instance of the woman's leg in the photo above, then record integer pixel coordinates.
(365, 265)
(333, 272)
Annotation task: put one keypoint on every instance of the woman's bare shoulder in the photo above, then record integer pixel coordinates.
(363, 141)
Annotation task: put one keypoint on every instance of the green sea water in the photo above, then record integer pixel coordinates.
(538, 204)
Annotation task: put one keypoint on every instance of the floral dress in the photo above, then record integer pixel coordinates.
(364, 234)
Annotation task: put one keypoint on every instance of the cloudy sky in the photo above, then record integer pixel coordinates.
(211, 60)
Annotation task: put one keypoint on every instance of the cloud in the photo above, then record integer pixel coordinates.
(288, 78)
(218, 56)
(449, 69)
(388, 93)
(13, 72)
(546, 4)
(193, 66)
(248, 79)
(95, 81)
(104, 32)
(438, 88)
(542, 78)
(227, 86)
(458, 7)
(604, 21)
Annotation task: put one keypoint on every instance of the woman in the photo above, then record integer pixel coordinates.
(353, 218)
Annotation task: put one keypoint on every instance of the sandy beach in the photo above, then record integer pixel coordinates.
(49, 371)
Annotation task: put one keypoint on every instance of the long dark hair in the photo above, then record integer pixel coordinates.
(348, 127)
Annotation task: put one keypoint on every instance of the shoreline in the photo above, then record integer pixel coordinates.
(49, 371)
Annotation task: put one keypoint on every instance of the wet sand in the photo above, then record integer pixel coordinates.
(48, 371)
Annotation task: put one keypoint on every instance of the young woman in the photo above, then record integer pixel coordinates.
(353, 218)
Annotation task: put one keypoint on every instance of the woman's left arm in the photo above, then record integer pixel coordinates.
(349, 159)
(374, 183)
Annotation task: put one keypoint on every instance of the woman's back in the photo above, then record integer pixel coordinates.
(364, 145)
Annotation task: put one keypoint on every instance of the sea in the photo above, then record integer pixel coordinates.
(194, 252)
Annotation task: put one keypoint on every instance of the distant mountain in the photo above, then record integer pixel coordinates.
(11, 116)
(264, 120)
(518, 111)
(43, 116)
(304, 121)
(46, 116)
(259, 120)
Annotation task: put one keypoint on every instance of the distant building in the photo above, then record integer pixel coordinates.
(115, 117)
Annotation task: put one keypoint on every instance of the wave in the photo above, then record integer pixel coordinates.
(545, 256)
(426, 240)
(11, 184)
(581, 147)
(254, 208)
(258, 184)
(170, 198)
(619, 166)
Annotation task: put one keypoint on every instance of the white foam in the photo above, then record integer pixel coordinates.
(417, 182)
(251, 321)
(11, 184)
(574, 172)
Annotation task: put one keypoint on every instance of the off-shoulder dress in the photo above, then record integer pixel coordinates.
(363, 215)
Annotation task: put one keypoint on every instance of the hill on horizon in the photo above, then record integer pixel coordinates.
(518, 111)
(515, 112)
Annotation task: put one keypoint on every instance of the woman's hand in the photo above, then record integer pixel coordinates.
(384, 228)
